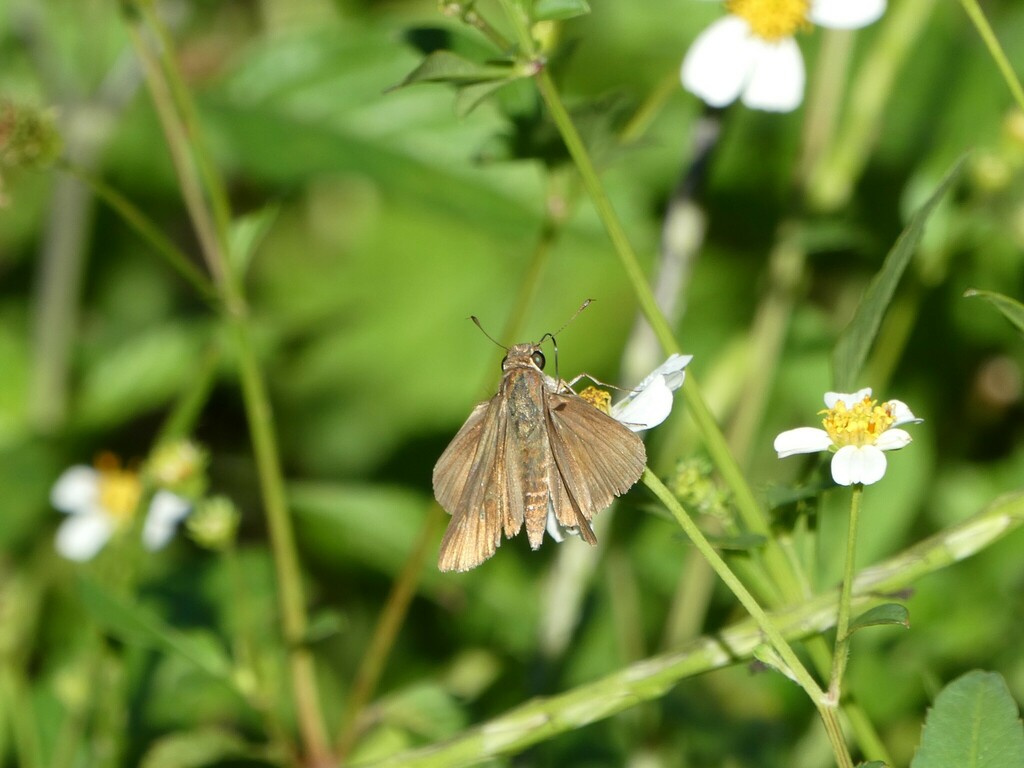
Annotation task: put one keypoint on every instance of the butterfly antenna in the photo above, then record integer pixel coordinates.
(551, 336)
(476, 320)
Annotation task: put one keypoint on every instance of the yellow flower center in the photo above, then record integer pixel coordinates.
(859, 425)
(772, 20)
(598, 398)
(119, 489)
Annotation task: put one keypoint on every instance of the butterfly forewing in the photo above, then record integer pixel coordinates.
(597, 458)
(468, 485)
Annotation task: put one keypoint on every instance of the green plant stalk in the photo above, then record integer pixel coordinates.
(404, 589)
(384, 634)
(642, 118)
(184, 163)
(544, 718)
(977, 17)
(831, 184)
(147, 230)
(182, 419)
(258, 413)
(186, 109)
(785, 273)
(12, 700)
(794, 667)
(246, 660)
(715, 442)
(469, 16)
(56, 302)
(785, 578)
(282, 537)
(841, 653)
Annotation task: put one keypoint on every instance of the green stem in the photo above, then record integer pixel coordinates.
(785, 273)
(183, 159)
(186, 109)
(977, 17)
(146, 229)
(794, 666)
(750, 511)
(254, 395)
(652, 678)
(384, 634)
(182, 419)
(831, 184)
(13, 699)
(55, 305)
(840, 655)
(282, 537)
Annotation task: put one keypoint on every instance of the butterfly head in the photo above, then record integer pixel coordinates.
(524, 356)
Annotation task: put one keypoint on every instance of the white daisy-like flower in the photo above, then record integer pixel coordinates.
(858, 430)
(751, 54)
(102, 500)
(648, 404)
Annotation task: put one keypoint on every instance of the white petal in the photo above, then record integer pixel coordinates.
(831, 398)
(902, 413)
(673, 371)
(776, 81)
(802, 440)
(165, 512)
(846, 14)
(718, 63)
(893, 439)
(553, 526)
(79, 538)
(646, 408)
(76, 489)
(858, 464)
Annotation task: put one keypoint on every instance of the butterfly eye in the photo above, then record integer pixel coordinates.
(538, 359)
(503, 361)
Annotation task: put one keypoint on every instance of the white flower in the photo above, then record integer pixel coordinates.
(751, 54)
(102, 500)
(651, 402)
(642, 408)
(858, 429)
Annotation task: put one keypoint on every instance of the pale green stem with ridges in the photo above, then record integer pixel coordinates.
(544, 718)
(977, 17)
(841, 653)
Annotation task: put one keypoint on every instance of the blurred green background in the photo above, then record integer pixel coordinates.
(387, 220)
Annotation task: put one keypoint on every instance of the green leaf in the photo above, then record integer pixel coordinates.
(889, 613)
(1012, 309)
(247, 232)
(472, 95)
(425, 709)
(768, 656)
(852, 348)
(136, 625)
(194, 749)
(557, 10)
(873, 764)
(974, 723)
(142, 372)
(448, 67)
